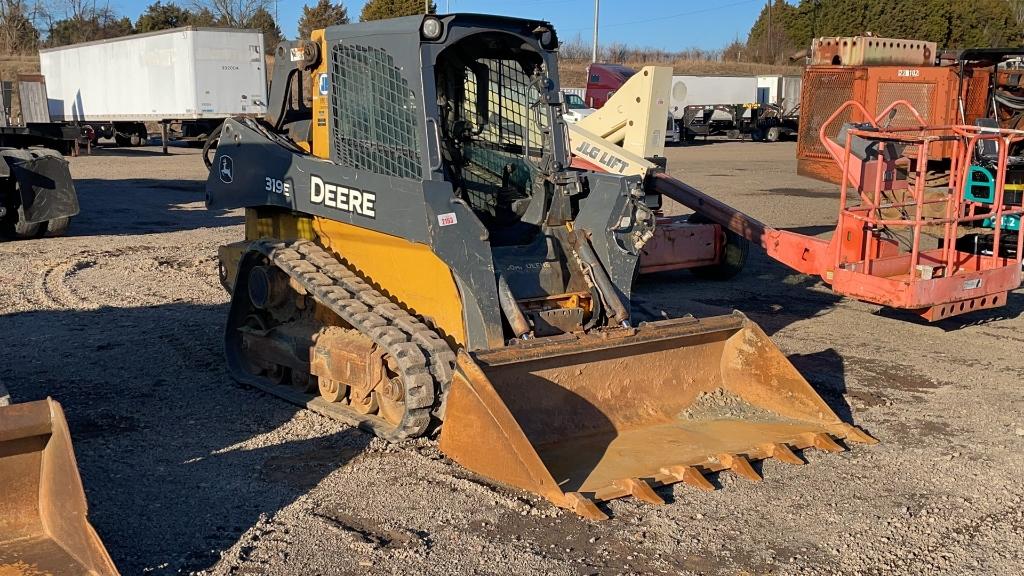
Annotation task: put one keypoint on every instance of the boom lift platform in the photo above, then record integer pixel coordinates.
(896, 244)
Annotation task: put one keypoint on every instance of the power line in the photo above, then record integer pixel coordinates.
(671, 16)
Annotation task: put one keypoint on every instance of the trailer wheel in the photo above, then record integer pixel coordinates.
(773, 134)
(734, 255)
(57, 227)
(22, 231)
(140, 137)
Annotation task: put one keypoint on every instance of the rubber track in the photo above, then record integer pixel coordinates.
(425, 361)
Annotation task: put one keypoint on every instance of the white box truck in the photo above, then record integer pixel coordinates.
(192, 77)
(776, 89)
(710, 90)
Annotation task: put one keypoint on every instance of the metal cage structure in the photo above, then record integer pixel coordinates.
(880, 251)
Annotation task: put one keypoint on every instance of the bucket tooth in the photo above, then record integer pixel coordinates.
(739, 466)
(689, 475)
(640, 490)
(823, 441)
(783, 453)
(584, 506)
(855, 434)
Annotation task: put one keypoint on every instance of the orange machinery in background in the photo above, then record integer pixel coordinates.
(876, 72)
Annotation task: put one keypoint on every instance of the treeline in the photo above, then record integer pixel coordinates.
(27, 25)
(785, 28)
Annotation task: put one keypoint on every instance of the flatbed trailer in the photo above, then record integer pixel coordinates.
(60, 136)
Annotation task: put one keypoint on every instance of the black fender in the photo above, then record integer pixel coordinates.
(45, 186)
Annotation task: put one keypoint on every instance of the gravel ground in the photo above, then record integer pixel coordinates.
(187, 472)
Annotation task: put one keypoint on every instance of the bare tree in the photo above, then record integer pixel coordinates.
(18, 32)
(73, 21)
(233, 13)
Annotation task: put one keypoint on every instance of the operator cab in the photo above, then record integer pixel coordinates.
(493, 125)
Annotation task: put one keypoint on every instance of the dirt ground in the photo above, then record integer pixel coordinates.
(188, 472)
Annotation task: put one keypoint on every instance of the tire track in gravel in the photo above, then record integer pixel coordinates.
(51, 286)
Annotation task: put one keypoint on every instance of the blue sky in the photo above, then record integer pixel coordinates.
(665, 24)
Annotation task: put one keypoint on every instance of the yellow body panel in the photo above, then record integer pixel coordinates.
(320, 119)
(277, 224)
(406, 271)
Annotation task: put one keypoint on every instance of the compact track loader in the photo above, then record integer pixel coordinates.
(420, 256)
(44, 529)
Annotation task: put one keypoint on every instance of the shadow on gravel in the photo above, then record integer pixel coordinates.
(827, 375)
(768, 292)
(145, 206)
(177, 460)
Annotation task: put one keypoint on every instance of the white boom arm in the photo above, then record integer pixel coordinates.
(630, 128)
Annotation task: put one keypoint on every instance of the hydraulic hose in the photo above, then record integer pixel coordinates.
(510, 307)
(210, 139)
(617, 311)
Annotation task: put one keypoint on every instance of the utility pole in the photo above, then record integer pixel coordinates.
(768, 50)
(814, 20)
(597, 12)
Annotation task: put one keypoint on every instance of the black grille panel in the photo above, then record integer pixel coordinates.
(374, 113)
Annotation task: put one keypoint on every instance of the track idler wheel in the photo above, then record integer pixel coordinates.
(332, 390)
(390, 394)
(268, 287)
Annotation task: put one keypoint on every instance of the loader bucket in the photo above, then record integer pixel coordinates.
(596, 417)
(43, 524)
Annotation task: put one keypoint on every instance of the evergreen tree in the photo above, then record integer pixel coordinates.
(950, 24)
(88, 25)
(160, 16)
(381, 9)
(263, 21)
(325, 13)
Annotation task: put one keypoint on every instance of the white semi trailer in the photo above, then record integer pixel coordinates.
(711, 91)
(192, 77)
(778, 89)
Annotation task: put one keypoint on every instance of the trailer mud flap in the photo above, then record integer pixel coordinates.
(44, 529)
(597, 417)
(46, 188)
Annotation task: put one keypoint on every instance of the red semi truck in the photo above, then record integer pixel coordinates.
(604, 79)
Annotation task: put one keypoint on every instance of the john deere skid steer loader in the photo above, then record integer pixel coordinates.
(419, 255)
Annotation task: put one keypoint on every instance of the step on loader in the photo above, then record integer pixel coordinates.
(44, 528)
(419, 257)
